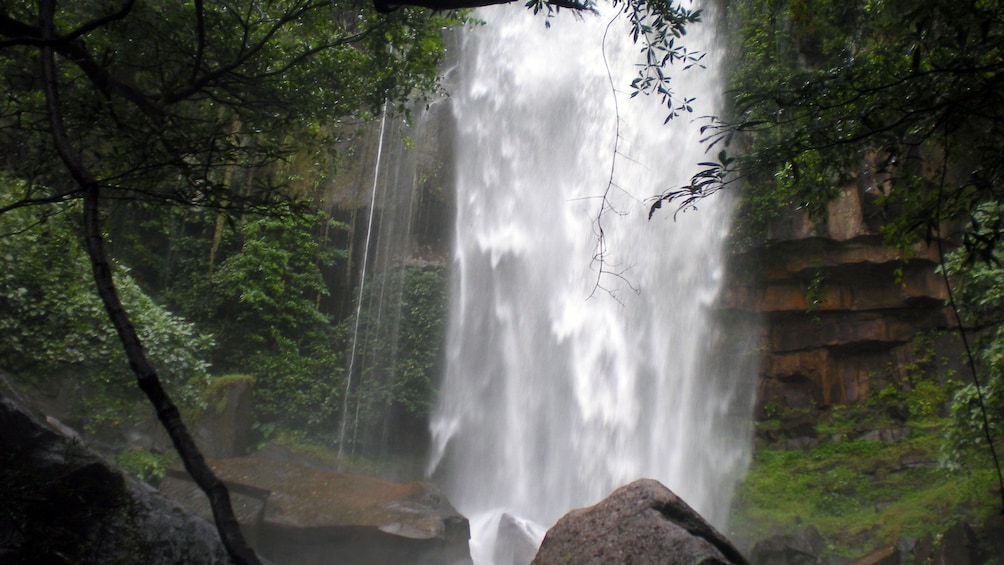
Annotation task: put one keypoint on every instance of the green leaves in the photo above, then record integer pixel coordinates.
(978, 277)
(657, 26)
(900, 95)
(400, 347)
(52, 324)
(167, 102)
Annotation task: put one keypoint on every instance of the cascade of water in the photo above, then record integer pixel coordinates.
(551, 400)
(343, 428)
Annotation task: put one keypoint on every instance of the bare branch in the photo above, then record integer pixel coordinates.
(54, 199)
(100, 22)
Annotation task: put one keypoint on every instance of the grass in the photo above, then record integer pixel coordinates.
(861, 495)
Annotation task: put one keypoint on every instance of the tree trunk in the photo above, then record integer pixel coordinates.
(146, 378)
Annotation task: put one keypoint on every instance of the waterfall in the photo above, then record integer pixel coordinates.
(556, 392)
(373, 425)
(354, 350)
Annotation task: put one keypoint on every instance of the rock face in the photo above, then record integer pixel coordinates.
(295, 514)
(62, 503)
(641, 523)
(841, 309)
(224, 429)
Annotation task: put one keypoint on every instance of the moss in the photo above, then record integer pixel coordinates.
(218, 389)
(860, 494)
(144, 465)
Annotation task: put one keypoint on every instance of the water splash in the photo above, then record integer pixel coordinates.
(550, 400)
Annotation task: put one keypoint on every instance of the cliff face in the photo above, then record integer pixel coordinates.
(842, 312)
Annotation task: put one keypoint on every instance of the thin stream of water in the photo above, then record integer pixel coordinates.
(343, 428)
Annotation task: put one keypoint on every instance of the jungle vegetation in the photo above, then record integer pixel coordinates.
(123, 119)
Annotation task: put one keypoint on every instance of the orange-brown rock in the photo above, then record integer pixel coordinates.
(838, 306)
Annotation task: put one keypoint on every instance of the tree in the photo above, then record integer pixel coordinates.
(159, 102)
(156, 101)
(902, 95)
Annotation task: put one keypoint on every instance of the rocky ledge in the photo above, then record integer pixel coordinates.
(61, 502)
(296, 514)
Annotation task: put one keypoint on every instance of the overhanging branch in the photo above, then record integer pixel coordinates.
(385, 6)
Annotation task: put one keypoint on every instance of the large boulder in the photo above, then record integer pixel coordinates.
(301, 515)
(640, 523)
(60, 502)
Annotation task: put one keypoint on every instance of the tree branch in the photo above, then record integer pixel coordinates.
(387, 6)
(100, 22)
(167, 412)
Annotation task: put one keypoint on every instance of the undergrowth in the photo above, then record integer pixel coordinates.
(859, 494)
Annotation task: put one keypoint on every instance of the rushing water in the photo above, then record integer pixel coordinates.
(557, 392)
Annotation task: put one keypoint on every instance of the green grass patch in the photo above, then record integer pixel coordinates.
(860, 494)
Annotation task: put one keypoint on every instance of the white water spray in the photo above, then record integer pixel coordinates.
(551, 399)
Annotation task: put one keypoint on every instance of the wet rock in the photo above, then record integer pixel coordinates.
(914, 460)
(305, 515)
(958, 546)
(515, 544)
(991, 535)
(641, 523)
(804, 547)
(224, 428)
(839, 306)
(802, 443)
(906, 550)
(886, 435)
(65, 503)
(884, 556)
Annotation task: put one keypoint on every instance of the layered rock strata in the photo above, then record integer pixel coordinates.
(841, 310)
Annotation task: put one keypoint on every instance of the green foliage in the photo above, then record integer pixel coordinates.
(144, 465)
(966, 437)
(54, 328)
(211, 111)
(262, 300)
(864, 494)
(399, 351)
(920, 385)
(271, 284)
(423, 327)
(978, 275)
(170, 100)
(859, 494)
(897, 97)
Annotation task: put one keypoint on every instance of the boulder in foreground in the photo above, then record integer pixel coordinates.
(641, 523)
(60, 502)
